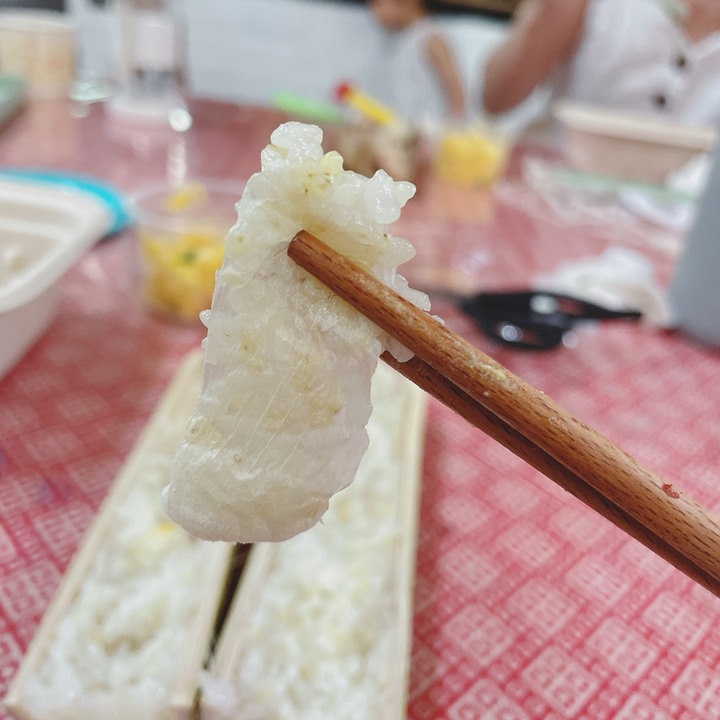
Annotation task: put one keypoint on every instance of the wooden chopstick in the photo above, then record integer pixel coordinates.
(568, 451)
(443, 390)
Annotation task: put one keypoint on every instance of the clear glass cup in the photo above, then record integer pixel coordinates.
(152, 58)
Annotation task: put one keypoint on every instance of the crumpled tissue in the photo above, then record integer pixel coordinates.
(617, 279)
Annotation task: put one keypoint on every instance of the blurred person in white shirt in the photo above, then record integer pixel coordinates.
(654, 57)
(416, 73)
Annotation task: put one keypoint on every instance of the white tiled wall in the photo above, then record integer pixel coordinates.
(246, 50)
(249, 49)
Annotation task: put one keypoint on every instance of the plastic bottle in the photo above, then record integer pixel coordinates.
(152, 58)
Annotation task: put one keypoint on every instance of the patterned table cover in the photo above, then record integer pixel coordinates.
(527, 604)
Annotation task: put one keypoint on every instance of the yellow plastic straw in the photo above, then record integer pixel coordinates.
(367, 106)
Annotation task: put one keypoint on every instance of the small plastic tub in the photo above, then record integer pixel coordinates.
(472, 156)
(39, 47)
(180, 241)
(626, 145)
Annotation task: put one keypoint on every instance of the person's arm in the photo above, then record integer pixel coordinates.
(443, 62)
(544, 34)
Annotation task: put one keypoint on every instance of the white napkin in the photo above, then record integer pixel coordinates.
(618, 279)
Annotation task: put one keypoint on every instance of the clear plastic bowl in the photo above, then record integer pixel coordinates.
(180, 235)
(472, 156)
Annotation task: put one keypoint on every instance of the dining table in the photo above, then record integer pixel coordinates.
(527, 604)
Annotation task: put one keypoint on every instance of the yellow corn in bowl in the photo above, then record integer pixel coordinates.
(181, 235)
(471, 157)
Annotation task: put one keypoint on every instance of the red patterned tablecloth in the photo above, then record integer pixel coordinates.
(527, 604)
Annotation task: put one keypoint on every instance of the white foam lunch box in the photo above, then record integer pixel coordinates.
(43, 232)
(289, 635)
(134, 574)
(626, 145)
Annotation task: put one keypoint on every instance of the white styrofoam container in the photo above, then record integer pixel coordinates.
(43, 231)
(237, 641)
(625, 145)
(152, 452)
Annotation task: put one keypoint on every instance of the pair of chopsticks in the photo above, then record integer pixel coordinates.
(526, 421)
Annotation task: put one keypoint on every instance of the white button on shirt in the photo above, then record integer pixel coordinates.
(635, 56)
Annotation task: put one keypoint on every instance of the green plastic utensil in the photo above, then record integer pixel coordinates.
(606, 183)
(307, 108)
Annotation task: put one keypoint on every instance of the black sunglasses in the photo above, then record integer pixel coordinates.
(534, 320)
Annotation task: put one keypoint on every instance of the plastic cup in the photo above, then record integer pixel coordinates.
(38, 47)
(180, 235)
